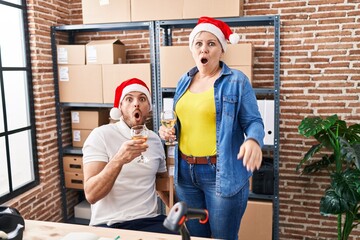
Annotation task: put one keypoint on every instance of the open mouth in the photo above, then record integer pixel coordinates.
(204, 60)
(137, 116)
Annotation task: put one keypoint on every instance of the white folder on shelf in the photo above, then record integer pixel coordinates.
(261, 105)
(168, 103)
(269, 122)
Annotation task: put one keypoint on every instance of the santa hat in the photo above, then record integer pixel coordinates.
(217, 27)
(131, 85)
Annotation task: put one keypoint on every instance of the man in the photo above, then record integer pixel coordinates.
(120, 189)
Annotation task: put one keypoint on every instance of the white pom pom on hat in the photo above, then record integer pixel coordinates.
(234, 38)
(217, 27)
(131, 85)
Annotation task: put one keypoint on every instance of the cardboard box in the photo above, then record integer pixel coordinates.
(74, 79)
(113, 75)
(260, 213)
(170, 155)
(167, 185)
(82, 210)
(171, 169)
(111, 51)
(212, 8)
(250, 184)
(71, 54)
(105, 11)
(174, 62)
(163, 184)
(73, 163)
(247, 70)
(81, 119)
(145, 10)
(239, 54)
(79, 136)
(74, 180)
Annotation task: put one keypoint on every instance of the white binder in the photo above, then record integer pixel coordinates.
(168, 104)
(261, 105)
(269, 122)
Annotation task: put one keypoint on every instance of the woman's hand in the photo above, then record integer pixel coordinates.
(251, 155)
(166, 133)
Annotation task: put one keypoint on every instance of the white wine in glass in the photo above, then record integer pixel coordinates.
(139, 132)
(168, 120)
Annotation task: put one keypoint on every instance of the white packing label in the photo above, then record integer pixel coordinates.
(104, 2)
(62, 54)
(171, 170)
(75, 117)
(76, 136)
(64, 74)
(168, 103)
(91, 54)
(171, 151)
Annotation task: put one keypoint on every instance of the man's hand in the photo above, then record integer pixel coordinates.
(130, 150)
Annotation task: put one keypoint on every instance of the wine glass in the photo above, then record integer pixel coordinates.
(139, 132)
(168, 119)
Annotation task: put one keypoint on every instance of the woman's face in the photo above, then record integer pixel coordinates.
(206, 50)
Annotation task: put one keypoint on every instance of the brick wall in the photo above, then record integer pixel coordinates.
(320, 73)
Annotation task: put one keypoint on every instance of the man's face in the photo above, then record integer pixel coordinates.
(135, 108)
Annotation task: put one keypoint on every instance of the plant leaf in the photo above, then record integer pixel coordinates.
(343, 194)
(332, 203)
(347, 185)
(351, 154)
(314, 149)
(353, 133)
(337, 128)
(319, 165)
(311, 126)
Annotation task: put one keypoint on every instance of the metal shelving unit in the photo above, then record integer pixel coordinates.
(71, 31)
(166, 27)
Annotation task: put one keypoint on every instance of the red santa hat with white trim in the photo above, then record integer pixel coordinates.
(217, 27)
(131, 85)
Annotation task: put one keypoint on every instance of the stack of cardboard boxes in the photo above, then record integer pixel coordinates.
(237, 56)
(106, 11)
(100, 66)
(84, 121)
(73, 170)
(167, 184)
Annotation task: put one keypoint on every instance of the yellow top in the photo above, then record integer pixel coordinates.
(196, 112)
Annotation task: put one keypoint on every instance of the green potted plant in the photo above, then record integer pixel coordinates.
(340, 149)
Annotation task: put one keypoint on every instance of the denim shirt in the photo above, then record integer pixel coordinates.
(237, 116)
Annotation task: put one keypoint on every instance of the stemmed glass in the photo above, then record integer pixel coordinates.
(139, 132)
(168, 119)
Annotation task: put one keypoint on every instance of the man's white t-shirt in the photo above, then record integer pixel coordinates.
(133, 195)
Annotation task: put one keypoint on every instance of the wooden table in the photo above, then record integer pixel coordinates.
(40, 230)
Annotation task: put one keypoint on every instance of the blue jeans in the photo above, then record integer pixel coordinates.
(196, 187)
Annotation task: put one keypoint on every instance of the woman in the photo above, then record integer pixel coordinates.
(216, 108)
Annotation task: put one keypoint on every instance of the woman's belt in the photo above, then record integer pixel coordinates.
(198, 160)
